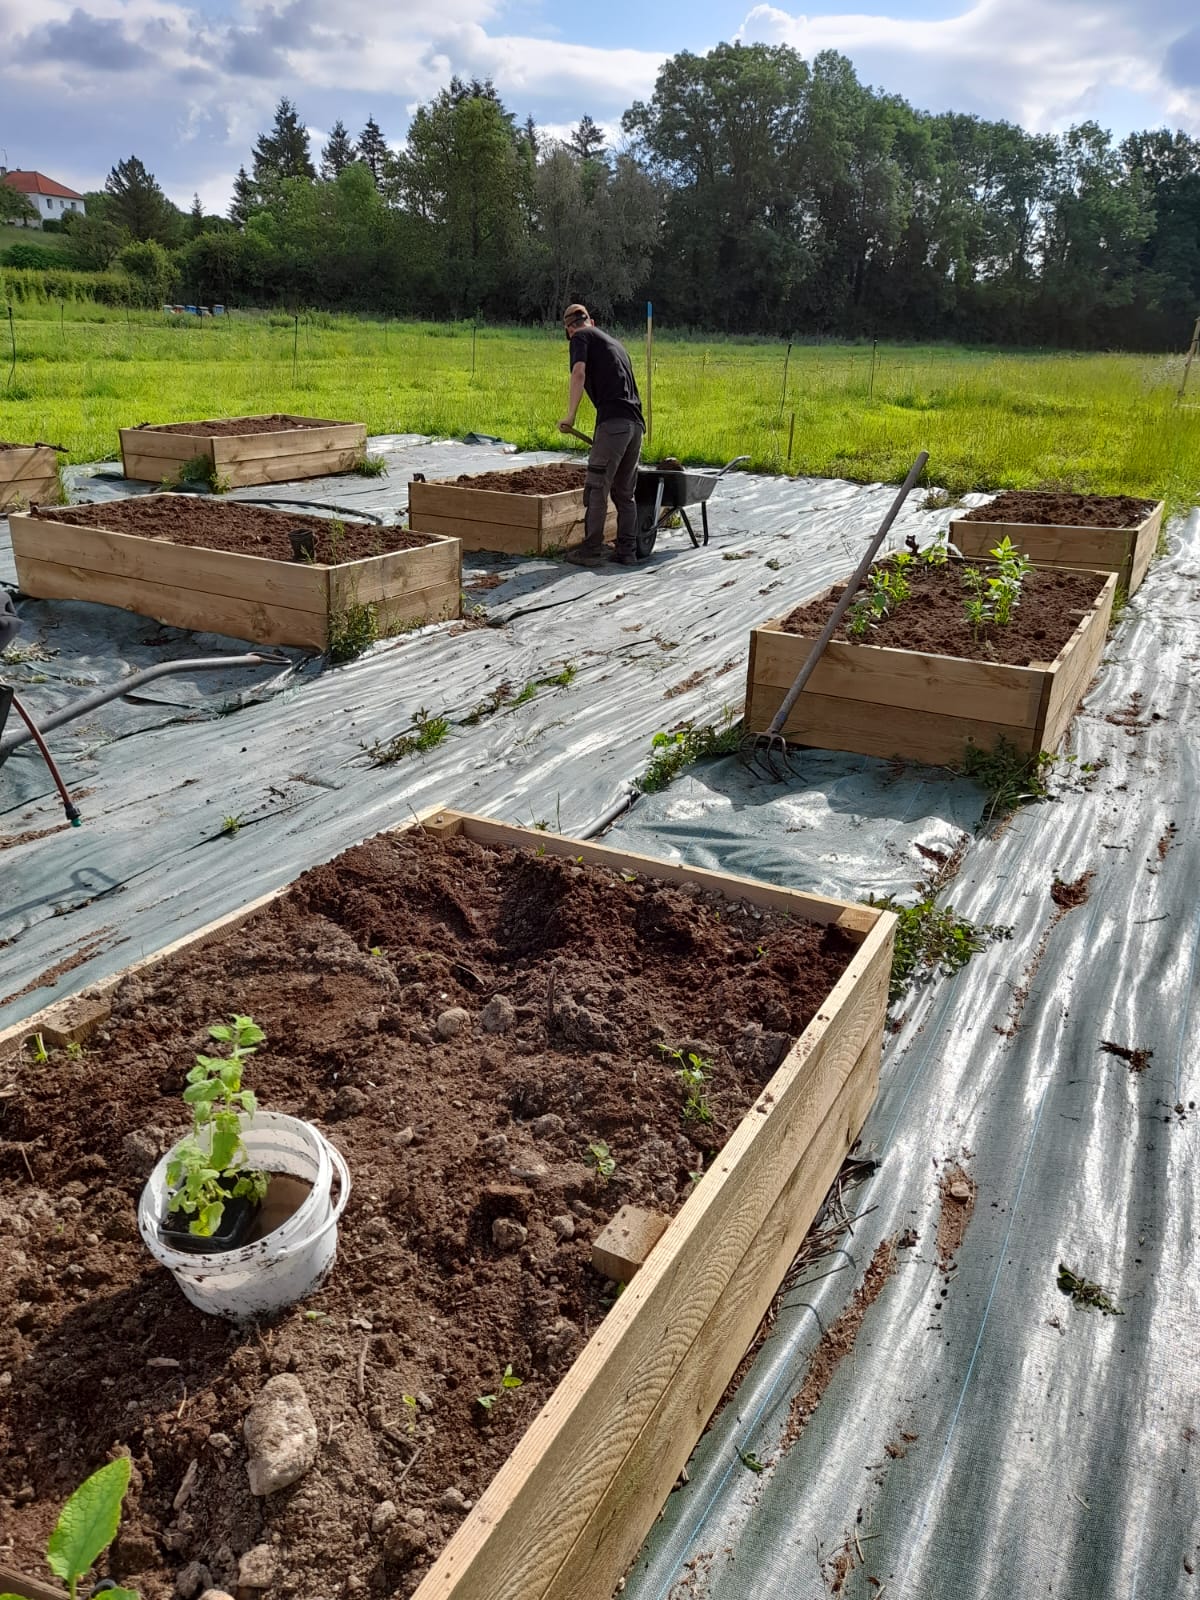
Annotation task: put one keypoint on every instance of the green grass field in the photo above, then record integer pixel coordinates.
(11, 234)
(989, 420)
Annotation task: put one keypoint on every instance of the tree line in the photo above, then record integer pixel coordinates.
(756, 192)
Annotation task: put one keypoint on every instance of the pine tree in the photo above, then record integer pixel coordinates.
(587, 140)
(372, 148)
(338, 153)
(138, 204)
(196, 218)
(531, 136)
(244, 198)
(282, 153)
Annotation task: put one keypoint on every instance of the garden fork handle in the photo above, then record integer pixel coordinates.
(843, 605)
(586, 437)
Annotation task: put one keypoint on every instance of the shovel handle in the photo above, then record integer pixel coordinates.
(575, 433)
(844, 604)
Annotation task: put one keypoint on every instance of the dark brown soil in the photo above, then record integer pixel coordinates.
(215, 524)
(227, 427)
(933, 618)
(1138, 1058)
(957, 1192)
(1050, 508)
(1069, 895)
(584, 975)
(552, 479)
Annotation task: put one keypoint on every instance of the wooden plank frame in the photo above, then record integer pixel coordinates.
(223, 591)
(1126, 551)
(570, 1507)
(28, 475)
(885, 702)
(149, 455)
(491, 519)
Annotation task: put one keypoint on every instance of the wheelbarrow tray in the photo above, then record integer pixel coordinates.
(679, 489)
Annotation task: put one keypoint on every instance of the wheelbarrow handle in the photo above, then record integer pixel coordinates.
(736, 462)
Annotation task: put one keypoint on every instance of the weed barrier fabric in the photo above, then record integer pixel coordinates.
(985, 1436)
(284, 756)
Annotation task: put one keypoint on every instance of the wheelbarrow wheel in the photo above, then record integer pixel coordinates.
(646, 535)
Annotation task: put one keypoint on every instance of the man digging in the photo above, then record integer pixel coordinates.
(600, 369)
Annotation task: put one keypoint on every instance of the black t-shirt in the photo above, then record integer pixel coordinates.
(609, 382)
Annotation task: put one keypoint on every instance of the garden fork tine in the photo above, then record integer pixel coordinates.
(770, 746)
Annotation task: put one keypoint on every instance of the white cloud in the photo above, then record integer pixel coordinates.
(1042, 63)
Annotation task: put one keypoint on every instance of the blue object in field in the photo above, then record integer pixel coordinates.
(218, 311)
(192, 309)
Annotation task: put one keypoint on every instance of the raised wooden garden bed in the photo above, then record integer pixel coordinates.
(1082, 533)
(235, 451)
(28, 474)
(883, 701)
(515, 517)
(81, 553)
(569, 1506)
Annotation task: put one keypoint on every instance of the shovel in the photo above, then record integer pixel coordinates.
(766, 748)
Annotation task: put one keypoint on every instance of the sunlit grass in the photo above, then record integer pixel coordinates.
(989, 420)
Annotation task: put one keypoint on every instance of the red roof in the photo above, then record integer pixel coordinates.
(35, 183)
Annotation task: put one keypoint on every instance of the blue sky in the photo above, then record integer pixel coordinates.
(188, 84)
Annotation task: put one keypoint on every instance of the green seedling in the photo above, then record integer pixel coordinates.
(74, 1050)
(932, 939)
(353, 628)
(750, 1460)
(38, 1050)
(887, 589)
(508, 1384)
(231, 824)
(603, 1159)
(208, 1169)
(671, 753)
(693, 1073)
(410, 1402)
(369, 466)
(1085, 1293)
(86, 1526)
(991, 599)
(427, 733)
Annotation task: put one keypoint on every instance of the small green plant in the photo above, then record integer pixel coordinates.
(1010, 776)
(410, 1403)
(888, 588)
(38, 1051)
(693, 1072)
(353, 628)
(991, 599)
(231, 824)
(932, 940)
(1085, 1293)
(773, 565)
(562, 679)
(672, 753)
(208, 1169)
(935, 554)
(507, 1385)
(369, 466)
(602, 1159)
(86, 1526)
(752, 1462)
(74, 1050)
(202, 470)
(427, 733)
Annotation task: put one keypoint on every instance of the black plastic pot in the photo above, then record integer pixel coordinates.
(236, 1221)
(304, 546)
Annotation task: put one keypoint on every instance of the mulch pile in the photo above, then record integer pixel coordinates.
(466, 1022)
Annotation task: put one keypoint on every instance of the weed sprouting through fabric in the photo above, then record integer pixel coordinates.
(671, 753)
(427, 733)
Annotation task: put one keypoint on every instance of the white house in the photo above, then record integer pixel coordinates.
(53, 200)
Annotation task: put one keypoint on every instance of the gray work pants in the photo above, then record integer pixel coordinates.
(612, 469)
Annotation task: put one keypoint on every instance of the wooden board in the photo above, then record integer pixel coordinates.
(886, 702)
(489, 519)
(1126, 551)
(151, 456)
(28, 475)
(12, 1582)
(223, 591)
(574, 1501)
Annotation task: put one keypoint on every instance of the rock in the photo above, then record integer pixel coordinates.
(403, 1138)
(216, 1594)
(495, 1144)
(221, 1442)
(755, 1050)
(562, 1341)
(454, 1500)
(192, 1580)
(579, 1025)
(377, 1230)
(498, 1015)
(452, 1022)
(563, 1226)
(530, 1171)
(256, 1569)
(383, 1516)
(404, 1543)
(960, 1190)
(140, 1151)
(416, 1516)
(508, 1234)
(549, 1126)
(183, 1493)
(348, 1102)
(282, 1435)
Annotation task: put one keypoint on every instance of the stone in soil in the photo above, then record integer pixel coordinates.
(453, 1135)
(1051, 508)
(934, 620)
(551, 479)
(281, 1433)
(233, 427)
(213, 523)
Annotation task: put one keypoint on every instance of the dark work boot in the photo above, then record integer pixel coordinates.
(584, 555)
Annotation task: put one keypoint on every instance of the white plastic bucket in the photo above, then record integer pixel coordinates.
(287, 1263)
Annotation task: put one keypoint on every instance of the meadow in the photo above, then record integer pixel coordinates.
(989, 419)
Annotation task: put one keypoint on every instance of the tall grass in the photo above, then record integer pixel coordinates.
(1108, 424)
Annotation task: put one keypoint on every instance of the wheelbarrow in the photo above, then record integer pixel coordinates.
(664, 491)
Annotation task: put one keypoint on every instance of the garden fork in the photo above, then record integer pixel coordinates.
(762, 751)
